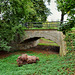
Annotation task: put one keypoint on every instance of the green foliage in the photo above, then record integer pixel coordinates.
(41, 10)
(3, 45)
(70, 40)
(15, 14)
(68, 8)
(67, 26)
(8, 33)
(48, 64)
(73, 28)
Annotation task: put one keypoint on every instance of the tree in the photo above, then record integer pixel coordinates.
(64, 6)
(15, 14)
(68, 7)
(61, 7)
(41, 10)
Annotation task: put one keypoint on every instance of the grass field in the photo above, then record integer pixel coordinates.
(48, 65)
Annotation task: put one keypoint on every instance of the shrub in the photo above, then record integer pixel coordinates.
(67, 26)
(70, 40)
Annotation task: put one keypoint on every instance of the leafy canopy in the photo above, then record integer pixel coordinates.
(15, 14)
(68, 6)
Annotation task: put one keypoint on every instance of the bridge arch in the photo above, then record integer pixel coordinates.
(53, 35)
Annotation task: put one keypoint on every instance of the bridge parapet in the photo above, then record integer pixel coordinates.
(43, 25)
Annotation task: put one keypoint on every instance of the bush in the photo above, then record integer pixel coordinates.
(67, 26)
(4, 45)
(70, 40)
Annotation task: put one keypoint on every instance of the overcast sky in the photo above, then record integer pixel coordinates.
(55, 16)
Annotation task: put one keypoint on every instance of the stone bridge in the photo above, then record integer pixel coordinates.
(30, 39)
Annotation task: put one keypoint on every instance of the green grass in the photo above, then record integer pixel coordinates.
(73, 28)
(42, 28)
(48, 65)
(52, 43)
(46, 40)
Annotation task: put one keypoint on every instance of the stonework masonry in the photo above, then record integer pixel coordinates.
(54, 35)
(27, 45)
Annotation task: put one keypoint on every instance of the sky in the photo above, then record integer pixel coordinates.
(55, 16)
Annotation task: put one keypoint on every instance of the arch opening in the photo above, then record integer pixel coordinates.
(30, 39)
(47, 46)
(42, 46)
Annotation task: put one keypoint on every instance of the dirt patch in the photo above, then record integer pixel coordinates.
(45, 49)
(4, 54)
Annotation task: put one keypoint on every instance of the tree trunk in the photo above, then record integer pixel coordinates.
(62, 17)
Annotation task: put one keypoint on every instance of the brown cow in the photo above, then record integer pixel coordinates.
(25, 59)
(22, 60)
(32, 59)
(19, 61)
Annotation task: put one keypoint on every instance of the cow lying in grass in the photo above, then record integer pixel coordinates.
(25, 59)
